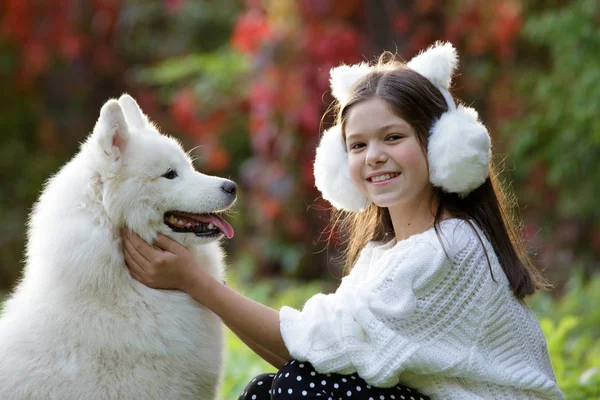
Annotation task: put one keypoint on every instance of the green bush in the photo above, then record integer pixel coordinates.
(559, 128)
(572, 329)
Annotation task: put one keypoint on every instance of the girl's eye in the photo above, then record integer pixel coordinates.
(356, 146)
(394, 137)
(170, 174)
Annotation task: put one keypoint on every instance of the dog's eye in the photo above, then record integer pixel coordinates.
(170, 174)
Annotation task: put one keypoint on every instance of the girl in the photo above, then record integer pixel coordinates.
(434, 299)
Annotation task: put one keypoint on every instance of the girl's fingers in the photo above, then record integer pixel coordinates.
(167, 244)
(135, 261)
(136, 277)
(136, 272)
(140, 247)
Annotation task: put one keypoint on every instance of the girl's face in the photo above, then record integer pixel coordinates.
(385, 159)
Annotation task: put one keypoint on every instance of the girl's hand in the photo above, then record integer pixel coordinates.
(166, 265)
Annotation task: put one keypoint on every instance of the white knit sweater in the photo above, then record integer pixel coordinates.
(408, 314)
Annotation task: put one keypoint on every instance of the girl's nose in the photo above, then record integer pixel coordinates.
(375, 155)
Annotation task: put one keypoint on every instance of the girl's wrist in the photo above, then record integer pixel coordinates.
(198, 285)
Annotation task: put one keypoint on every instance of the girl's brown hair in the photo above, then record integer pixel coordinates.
(416, 100)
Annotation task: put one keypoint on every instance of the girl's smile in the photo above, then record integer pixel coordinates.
(382, 178)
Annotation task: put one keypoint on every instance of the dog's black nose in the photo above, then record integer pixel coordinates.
(229, 187)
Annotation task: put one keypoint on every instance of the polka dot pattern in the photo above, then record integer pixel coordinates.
(300, 381)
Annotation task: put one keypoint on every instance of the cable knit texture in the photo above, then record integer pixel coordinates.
(427, 313)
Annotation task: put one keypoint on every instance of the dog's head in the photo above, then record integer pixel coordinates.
(149, 183)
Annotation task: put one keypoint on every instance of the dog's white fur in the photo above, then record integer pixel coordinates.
(78, 326)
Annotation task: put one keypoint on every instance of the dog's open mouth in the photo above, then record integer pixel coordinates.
(202, 225)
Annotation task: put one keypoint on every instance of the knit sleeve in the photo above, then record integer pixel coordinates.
(394, 318)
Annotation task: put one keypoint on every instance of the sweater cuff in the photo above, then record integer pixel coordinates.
(289, 328)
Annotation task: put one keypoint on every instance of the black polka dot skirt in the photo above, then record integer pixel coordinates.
(299, 380)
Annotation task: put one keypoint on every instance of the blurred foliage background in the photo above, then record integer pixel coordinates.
(247, 81)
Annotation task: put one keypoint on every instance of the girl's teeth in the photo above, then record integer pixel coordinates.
(383, 177)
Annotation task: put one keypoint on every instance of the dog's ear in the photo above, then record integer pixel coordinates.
(111, 130)
(135, 117)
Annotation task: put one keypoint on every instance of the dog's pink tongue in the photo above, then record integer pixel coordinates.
(222, 225)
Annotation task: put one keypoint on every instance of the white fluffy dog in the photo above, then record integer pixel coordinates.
(78, 326)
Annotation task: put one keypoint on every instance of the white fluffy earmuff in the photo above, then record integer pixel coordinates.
(332, 176)
(459, 145)
(459, 152)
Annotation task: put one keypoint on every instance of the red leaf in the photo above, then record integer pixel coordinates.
(71, 46)
(218, 159)
(506, 28)
(271, 208)
(17, 20)
(250, 32)
(422, 7)
(183, 108)
(36, 58)
(215, 122)
(401, 23)
(174, 6)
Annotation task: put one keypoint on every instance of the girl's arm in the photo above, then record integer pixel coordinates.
(264, 353)
(245, 316)
(169, 265)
